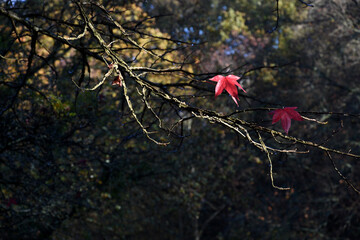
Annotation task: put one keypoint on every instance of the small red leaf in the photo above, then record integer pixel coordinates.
(285, 115)
(117, 81)
(228, 83)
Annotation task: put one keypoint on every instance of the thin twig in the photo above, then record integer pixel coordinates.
(81, 35)
(147, 133)
(341, 175)
(277, 18)
(314, 120)
(109, 72)
(305, 3)
(271, 165)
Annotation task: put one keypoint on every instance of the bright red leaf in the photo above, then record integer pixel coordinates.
(228, 83)
(117, 81)
(285, 115)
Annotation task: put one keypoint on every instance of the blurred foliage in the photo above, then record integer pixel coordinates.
(75, 165)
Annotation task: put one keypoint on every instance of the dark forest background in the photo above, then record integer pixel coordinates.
(159, 157)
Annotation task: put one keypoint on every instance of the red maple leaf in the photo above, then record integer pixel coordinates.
(228, 83)
(285, 115)
(117, 81)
